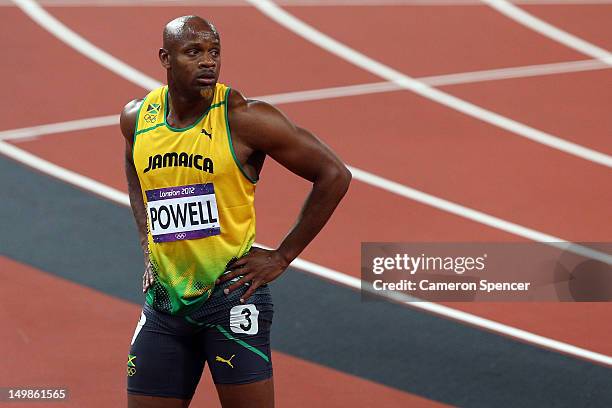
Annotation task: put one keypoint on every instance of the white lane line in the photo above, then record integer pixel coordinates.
(514, 72)
(74, 40)
(356, 58)
(121, 198)
(438, 80)
(336, 92)
(63, 174)
(475, 215)
(269, 8)
(550, 31)
(295, 3)
(59, 127)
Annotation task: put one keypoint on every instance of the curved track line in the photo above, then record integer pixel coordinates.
(292, 23)
(365, 62)
(72, 39)
(121, 198)
(556, 34)
(269, 8)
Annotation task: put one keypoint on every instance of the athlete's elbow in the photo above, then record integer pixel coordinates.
(345, 178)
(340, 178)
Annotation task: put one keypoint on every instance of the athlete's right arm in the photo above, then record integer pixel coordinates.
(128, 123)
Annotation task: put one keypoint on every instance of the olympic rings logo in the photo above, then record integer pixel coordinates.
(131, 371)
(180, 235)
(150, 118)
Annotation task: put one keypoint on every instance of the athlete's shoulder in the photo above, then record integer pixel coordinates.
(255, 123)
(236, 101)
(249, 113)
(129, 116)
(239, 104)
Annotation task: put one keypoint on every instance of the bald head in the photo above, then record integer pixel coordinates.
(186, 28)
(191, 55)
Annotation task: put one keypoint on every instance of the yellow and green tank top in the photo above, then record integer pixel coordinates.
(199, 201)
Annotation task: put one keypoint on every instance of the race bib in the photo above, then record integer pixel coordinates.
(183, 212)
(244, 319)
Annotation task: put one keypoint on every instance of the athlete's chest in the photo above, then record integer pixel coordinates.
(184, 176)
(199, 153)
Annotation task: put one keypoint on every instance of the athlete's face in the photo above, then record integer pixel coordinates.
(195, 61)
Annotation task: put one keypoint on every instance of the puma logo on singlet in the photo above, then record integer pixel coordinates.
(207, 134)
(173, 159)
(222, 360)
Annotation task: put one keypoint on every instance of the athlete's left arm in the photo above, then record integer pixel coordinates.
(260, 127)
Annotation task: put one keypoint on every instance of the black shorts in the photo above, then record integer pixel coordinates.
(168, 353)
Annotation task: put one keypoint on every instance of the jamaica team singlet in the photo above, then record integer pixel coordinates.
(199, 202)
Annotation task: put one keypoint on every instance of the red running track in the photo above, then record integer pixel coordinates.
(397, 135)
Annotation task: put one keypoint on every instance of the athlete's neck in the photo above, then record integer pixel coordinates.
(185, 109)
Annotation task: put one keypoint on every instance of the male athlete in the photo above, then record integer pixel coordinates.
(194, 151)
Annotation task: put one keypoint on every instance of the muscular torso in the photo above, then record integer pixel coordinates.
(251, 160)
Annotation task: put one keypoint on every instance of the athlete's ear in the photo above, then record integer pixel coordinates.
(164, 57)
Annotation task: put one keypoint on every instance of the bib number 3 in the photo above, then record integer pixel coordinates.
(244, 319)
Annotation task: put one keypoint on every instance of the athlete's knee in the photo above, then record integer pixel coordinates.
(145, 401)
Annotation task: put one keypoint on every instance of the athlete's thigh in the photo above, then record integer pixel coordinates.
(165, 361)
(237, 337)
(258, 394)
